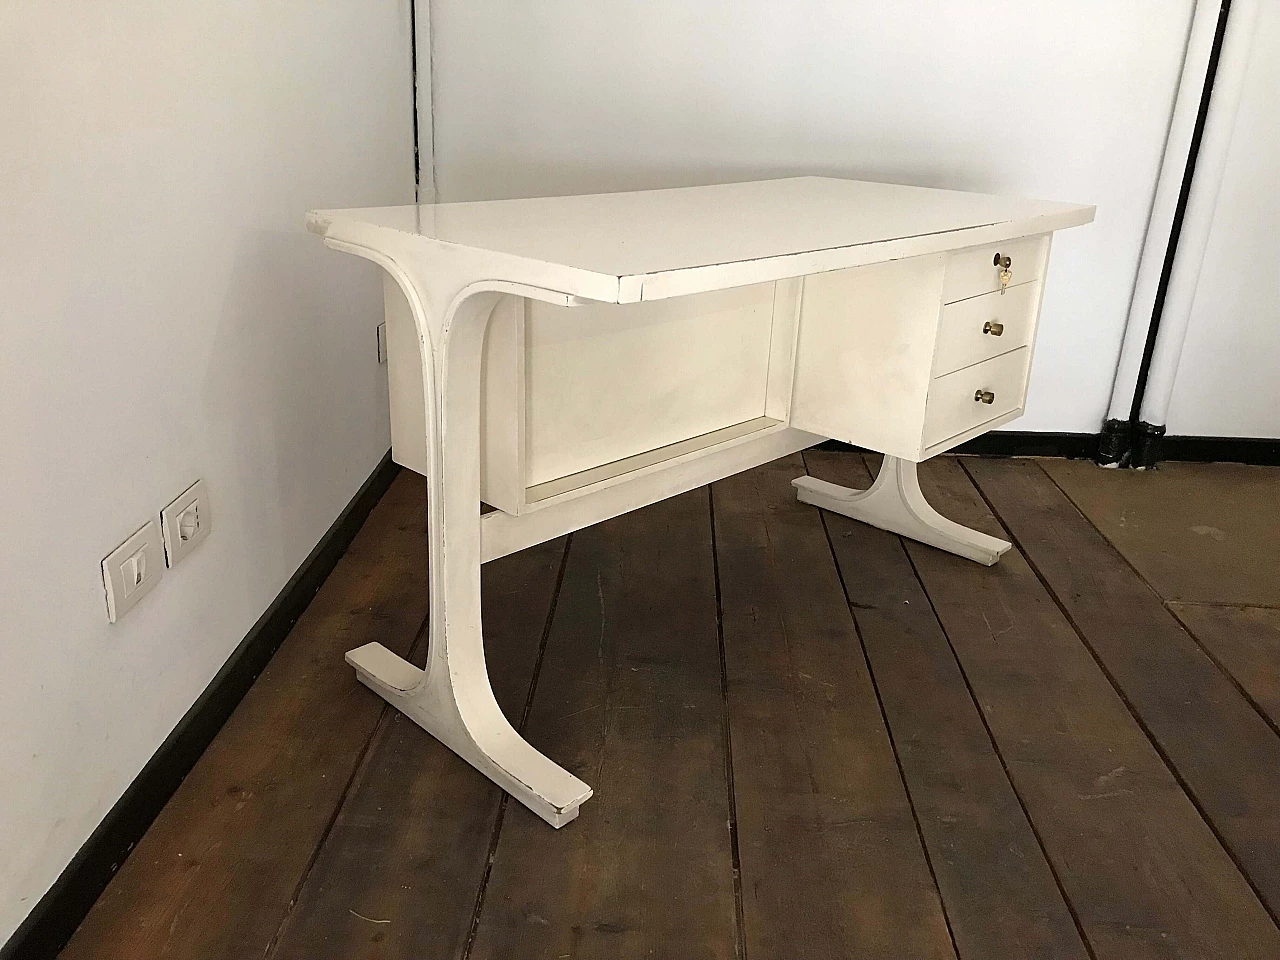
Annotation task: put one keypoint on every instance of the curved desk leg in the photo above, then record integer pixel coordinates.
(451, 699)
(894, 503)
(460, 712)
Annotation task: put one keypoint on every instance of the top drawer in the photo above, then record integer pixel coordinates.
(973, 272)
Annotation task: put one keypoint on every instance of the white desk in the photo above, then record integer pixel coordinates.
(569, 359)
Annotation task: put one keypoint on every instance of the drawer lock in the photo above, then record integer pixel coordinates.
(993, 327)
(984, 396)
(1005, 264)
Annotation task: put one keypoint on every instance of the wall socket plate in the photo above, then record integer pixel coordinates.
(132, 569)
(185, 522)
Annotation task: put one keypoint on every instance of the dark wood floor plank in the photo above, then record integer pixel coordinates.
(832, 863)
(1000, 893)
(399, 872)
(1143, 871)
(629, 700)
(1206, 532)
(1246, 641)
(1221, 746)
(215, 874)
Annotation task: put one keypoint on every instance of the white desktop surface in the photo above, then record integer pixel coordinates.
(644, 245)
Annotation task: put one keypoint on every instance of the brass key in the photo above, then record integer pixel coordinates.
(1006, 272)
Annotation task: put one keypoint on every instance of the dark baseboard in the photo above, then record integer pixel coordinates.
(1085, 446)
(50, 925)
(1260, 451)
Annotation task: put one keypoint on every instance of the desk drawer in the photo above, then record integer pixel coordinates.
(953, 408)
(983, 327)
(973, 272)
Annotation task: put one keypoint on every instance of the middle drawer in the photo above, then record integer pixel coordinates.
(983, 327)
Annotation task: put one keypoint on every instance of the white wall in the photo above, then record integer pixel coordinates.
(1067, 100)
(165, 317)
(1228, 381)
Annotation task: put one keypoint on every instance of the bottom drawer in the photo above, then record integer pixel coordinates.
(957, 401)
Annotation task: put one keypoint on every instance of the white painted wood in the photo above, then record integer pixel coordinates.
(895, 503)
(502, 407)
(942, 446)
(404, 380)
(605, 380)
(865, 354)
(451, 698)
(549, 388)
(980, 328)
(629, 465)
(952, 407)
(503, 534)
(787, 296)
(868, 335)
(973, 272)
(652, 244)
(1045, 250)
(678, 283)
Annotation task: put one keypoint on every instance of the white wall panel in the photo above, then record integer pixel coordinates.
(167, 318)
(1228, 380)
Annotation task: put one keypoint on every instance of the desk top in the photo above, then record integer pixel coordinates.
(645, 245)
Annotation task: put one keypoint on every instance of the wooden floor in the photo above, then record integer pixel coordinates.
(807, 740)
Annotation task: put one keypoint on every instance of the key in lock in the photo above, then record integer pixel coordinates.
(1005, 264)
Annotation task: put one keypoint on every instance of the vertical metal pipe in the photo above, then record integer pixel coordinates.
(1177, 148)
(1211, 162)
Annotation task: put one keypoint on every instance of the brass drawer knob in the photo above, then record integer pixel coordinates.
(993, 327)
(984, 396)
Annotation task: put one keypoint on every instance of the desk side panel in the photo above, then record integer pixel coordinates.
(502, 407)
(606, 381)
(865, 353)
(404, 380)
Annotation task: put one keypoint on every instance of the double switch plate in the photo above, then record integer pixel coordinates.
(132, 569)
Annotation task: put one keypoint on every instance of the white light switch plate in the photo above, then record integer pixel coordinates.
(185, 522)
(132, 569)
